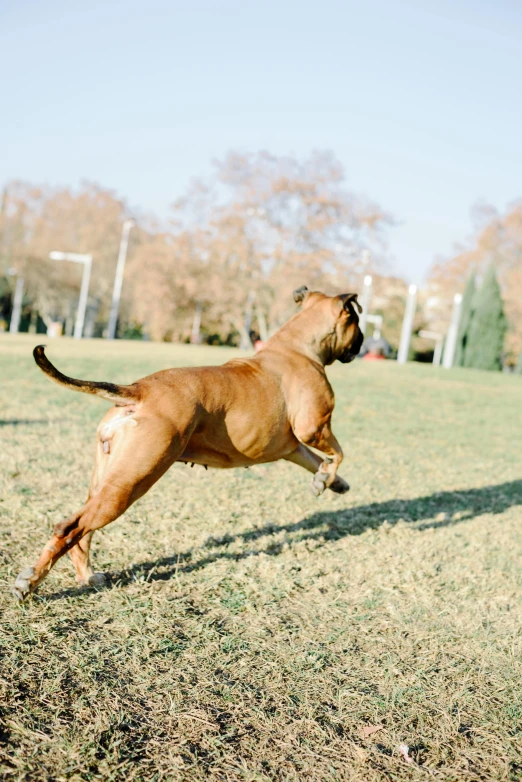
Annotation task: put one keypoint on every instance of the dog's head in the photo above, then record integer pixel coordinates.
(337, 323)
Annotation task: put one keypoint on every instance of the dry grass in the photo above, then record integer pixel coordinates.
(249, 631)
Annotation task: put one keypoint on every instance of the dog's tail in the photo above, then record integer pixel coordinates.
(122, 395)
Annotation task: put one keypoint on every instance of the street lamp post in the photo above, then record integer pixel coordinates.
(365, 302)
(407, 325)
(16, 314)
(118, 279)
(84, 290)
(453, 332)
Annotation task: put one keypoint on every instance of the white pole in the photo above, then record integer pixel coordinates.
(16, 314)
(84, 292)
(407, 325)
(453, 331)
(57, 255)
(365, 302)
(437, 353)
(118, 279)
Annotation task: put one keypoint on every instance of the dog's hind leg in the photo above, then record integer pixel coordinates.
(306, 458)
(138, 458)
(80, 553)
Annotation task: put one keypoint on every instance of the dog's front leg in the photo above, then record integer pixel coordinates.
(327, 473)
(306, 458)
(323, 440)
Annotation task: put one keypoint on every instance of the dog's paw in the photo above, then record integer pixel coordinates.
(318, 484)
(22, 586)
(339, 486)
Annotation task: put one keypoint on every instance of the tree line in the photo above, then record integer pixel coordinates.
(488, 272)
(223, 264)
(240, 240)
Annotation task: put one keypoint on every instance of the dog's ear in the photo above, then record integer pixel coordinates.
(350, 298)
(300, 293)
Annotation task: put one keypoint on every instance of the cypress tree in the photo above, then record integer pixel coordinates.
(465, 320)
(488, 325)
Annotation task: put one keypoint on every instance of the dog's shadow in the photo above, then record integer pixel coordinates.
(23, 421)
(432, 511)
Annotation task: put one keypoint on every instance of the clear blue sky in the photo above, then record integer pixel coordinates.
(420, 100)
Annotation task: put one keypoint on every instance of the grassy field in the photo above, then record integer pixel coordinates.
(249, 631)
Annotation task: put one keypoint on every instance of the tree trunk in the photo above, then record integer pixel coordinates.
(261, 322)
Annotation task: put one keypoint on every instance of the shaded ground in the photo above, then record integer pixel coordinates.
(249, 631)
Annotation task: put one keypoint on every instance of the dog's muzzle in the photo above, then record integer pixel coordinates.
(353, 351)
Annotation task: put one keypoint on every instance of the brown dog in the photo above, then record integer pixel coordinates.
(249, 411)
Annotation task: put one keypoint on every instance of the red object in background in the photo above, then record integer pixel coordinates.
(373, 356)
(258, 344)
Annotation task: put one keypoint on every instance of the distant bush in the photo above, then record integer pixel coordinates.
(487, 329)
